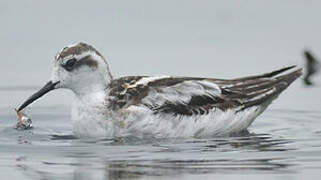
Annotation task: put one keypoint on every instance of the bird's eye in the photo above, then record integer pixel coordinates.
(69, 64)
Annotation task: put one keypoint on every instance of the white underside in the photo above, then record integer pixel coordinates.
(216, 123)
(141, 122)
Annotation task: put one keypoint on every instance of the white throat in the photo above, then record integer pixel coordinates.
(87, 112)
(89, 90)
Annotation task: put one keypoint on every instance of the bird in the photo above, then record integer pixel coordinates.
(312, 66)
(158, 106)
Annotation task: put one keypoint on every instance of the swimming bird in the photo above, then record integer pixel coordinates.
(159, 106)
(312, 66)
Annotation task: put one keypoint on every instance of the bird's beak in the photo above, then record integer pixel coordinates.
(45, 89)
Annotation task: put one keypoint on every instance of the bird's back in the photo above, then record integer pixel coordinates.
(186, 106)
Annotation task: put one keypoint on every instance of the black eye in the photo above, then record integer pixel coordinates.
(69, 64)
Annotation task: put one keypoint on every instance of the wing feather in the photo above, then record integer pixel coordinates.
(197, 96)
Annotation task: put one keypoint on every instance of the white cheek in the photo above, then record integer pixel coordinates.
(59, 74)
(82, 77)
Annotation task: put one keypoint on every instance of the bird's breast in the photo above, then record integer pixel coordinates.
(90, 117)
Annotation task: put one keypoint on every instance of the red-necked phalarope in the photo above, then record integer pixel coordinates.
(161, 106)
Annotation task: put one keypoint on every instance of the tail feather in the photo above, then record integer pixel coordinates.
(261, 89)
(269, 93)
(267, 75)
(290, 77)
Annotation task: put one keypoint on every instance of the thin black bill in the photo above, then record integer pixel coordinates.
(45, 89)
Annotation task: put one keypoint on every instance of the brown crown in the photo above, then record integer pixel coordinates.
(76, 50)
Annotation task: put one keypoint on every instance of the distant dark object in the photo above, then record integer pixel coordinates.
(312, 66)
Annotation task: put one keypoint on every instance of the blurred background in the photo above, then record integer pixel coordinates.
(207, 38)
(222, 39)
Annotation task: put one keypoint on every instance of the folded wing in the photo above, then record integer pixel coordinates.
(187, 96)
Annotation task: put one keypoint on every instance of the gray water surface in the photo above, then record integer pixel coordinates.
(281, 143)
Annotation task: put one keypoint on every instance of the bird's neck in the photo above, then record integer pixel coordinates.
(91, 84)
(88, 111)
(90, 101)
(89, 90)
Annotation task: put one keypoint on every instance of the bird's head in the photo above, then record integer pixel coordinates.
(80, 68)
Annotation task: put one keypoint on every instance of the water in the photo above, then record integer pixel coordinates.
(282, 143)
(221, 39)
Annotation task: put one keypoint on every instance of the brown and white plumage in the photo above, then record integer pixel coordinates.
(161, 106)
(188, 96)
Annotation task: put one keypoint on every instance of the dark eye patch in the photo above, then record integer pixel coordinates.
(73, 63)
(69, 65)
(87, 61)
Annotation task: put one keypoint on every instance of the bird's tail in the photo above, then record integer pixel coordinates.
(276, 84)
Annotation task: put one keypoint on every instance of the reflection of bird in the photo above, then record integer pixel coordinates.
(160, 106)
(312, 66)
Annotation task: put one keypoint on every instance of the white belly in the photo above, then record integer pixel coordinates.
(91, 117)
(141, 122)
(216, 123)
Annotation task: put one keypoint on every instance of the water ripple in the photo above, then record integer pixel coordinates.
(279, 142)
